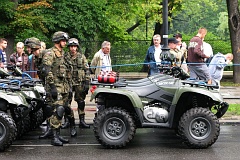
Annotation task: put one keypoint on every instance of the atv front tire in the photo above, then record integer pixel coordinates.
(8, 131)
(36, 119)
(114, 128)
(199, 128)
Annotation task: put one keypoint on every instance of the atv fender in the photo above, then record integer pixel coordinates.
(214, 95)
(13, 98)
(133, 97)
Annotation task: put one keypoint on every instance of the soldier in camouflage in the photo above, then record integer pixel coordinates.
(80, 80)
(69, 116)
(34, 45)
(35, 56)
(54, 70)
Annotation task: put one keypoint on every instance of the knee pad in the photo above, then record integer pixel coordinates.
(48, 111)
(60, 112)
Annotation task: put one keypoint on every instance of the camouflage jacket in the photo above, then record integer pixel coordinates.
(80, 68)
(57, 75)
(38, 63)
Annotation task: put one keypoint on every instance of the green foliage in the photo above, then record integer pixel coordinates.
(7, 15)
(223, 24)
(196, 14)
(23, 21)
(128, 56)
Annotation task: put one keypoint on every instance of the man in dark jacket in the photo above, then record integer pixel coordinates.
(152, 58)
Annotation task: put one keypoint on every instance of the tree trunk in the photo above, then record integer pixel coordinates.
(234, 29)
(129, 30)
(157, 30)
(10, 47)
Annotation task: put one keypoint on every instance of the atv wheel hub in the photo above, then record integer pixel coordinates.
(199, 128)
(114, 128)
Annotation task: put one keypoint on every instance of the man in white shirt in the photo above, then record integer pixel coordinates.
(102, 60)
(207, 49)
(152, 59)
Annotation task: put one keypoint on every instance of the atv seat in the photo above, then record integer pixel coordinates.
(143, 91)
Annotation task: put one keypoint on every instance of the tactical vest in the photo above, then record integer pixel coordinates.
(58, 66)
(78, 69)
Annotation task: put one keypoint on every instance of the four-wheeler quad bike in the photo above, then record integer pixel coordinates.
(14, 112)
(34, 90)
(190, 107)
(21, 103)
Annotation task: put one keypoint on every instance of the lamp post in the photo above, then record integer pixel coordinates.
(165, 50)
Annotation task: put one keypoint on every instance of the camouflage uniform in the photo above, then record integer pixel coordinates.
(56, 76)
(35, 45)
(69, 115)
(54, 70)
(80, 81)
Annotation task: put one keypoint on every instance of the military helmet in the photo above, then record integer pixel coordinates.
(33, 43)
(73, 42)
(58, 36)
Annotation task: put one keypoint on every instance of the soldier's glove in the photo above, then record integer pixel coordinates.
(86, 86)
(53, 91)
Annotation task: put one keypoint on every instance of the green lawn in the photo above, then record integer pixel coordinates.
(234, 109)
(230, 84)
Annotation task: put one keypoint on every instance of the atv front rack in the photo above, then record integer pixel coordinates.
(199, 83)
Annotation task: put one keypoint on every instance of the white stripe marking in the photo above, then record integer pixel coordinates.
(48, 145)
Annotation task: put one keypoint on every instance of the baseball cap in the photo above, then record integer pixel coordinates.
(173, 40)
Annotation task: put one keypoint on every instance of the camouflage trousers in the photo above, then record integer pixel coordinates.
(79, 96)
(58, 105)
(56, 120)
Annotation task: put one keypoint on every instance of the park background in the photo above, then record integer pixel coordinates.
(128, 24)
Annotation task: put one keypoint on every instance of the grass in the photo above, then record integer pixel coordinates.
(230, 84)
(233, 109)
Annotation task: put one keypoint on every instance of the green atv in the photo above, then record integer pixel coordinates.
(32, 88)
(14, 115)
(190, 107)
(21, 102)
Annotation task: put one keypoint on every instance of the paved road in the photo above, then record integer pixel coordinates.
(150, 143)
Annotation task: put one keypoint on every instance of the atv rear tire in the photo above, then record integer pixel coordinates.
(114, 128)
(199, 128)
(8, 131)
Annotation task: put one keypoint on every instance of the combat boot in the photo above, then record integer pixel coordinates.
(66, 123)
(56, 141)
(48, 133)
(82, 123)
(63, 140)
(73, 131)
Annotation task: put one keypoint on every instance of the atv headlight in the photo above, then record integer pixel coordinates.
(30, 94)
